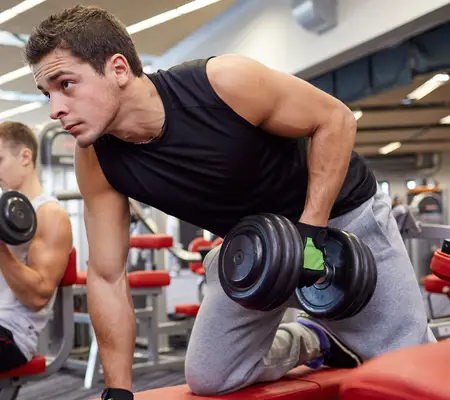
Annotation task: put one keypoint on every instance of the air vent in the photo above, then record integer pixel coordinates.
(317, 16)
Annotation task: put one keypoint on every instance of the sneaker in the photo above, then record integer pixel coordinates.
(334, 353)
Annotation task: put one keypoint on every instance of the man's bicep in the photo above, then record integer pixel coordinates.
(49, 251)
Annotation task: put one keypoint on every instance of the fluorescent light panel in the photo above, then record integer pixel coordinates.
(445, 120)
(18, 73)
(18, 9)
(20, 110)
(389, 148)
(429, 86)
(169, 15)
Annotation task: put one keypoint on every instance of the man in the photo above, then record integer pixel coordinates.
(211, 141)
(29, 273)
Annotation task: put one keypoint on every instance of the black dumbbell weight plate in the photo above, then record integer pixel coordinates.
(329, 299)
(365, 280)
(370, 279)
(17, 218)
(250, 263)
(291, 263)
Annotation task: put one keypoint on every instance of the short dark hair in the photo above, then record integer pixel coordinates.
(91, 33)
(18, 135)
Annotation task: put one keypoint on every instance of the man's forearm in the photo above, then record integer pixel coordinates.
(114, 321)
(328, 161)
(25, 282)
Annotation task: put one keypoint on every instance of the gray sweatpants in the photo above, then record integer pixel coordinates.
(232, 347)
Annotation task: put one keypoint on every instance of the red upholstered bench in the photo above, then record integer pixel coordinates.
(35, 366)
(137, 279)
(418, 373)
(151, 241)
(434, 284)
(298, 384)
(189, 310)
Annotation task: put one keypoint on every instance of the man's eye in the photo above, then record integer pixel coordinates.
(66, 84)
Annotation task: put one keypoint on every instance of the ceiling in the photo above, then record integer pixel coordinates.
(157, 40)
(154, 41)
(426, 135)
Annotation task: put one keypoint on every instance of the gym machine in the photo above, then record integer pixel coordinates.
(411, 228)
(426, 205)
(57, 174)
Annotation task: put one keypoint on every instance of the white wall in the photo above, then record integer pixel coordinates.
(267, 31)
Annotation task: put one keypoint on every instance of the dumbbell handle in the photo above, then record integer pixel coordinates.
(309, 277)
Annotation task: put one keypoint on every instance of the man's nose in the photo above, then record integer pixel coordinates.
(57, 109)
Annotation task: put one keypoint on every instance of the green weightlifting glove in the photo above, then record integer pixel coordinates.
(314, 250)
(313, 257)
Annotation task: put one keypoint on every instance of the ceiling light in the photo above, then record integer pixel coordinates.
(18, 73)
(445, 120)
(358, 114)
(169, 15)
(432, 84)
(411, 184)
(19, 110)
(23, 97)
(18, 9)
(389, 148)
(10, 39)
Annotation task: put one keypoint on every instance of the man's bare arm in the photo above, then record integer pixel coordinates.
(284, 105)
(35, 283)
(109, 301)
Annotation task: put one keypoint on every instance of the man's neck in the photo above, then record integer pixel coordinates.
(31, 187)
(141, 116)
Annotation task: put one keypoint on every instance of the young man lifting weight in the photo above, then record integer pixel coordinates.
(211, 141)
(29, 273)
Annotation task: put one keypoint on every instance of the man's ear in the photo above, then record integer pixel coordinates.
(26, 156)
(118, 65)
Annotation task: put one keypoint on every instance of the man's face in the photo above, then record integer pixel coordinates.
(84, 101)
(14, 166)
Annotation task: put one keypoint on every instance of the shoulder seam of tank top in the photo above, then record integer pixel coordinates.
(222, 102)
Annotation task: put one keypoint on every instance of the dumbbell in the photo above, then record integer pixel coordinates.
(261, 267)
(17, 218)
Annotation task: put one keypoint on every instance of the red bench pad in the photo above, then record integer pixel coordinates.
(197, 266)
(190, 310)
(440, 265)
(151, 241)
(70, 274)
(138, 279)
(147, 279)
(35, 366)
(414, 373)
(298, 384)
(434, 284)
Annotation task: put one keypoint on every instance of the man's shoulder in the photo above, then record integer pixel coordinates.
(49, 206)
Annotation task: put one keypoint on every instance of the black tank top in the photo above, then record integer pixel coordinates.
(211, 167)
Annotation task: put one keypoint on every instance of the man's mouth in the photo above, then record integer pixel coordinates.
(70, 127)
